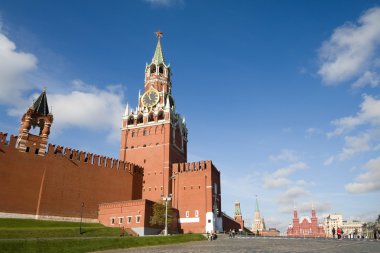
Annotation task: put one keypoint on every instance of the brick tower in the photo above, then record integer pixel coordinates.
(238, 216)
(154, 135)
(38, 116)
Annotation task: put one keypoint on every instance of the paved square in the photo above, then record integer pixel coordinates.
(242, 245)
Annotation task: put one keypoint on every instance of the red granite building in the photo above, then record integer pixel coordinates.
(307, 227)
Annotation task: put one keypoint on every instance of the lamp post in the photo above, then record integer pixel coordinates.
(166, 198)
(81, 215)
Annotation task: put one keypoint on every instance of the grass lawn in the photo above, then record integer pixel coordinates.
(25, 228)
(88, 245)
(18, 235)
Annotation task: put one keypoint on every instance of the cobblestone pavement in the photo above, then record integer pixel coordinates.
(276, 245)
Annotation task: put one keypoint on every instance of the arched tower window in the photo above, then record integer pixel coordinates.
(140, 119)
(150, 117)
(153, 69)
(130, 120)
(161, 69)
(161, 115)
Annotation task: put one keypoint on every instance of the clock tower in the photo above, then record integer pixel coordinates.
(154, 135)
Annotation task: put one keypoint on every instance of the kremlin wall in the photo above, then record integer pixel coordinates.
(55, 184)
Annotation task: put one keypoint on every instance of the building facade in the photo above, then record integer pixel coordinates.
(332, 221)
(352, 228)
(306, 226)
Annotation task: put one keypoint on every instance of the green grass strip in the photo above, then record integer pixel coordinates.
(88, 245)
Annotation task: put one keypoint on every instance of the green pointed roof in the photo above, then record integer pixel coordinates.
(158, 57)
(40, 106)
(257, 206)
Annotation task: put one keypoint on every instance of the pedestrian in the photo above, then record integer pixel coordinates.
(338, 231)
(230, 233)
(233, 233)
(333, 232)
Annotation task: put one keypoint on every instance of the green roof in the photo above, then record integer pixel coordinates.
(40, 106)
(158, 57)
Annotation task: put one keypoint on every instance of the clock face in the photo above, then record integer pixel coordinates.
(150, 98)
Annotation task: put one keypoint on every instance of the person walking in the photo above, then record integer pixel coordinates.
(333, 232)
(339, 231)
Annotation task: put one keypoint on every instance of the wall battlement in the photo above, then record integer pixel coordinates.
(77, 156)
(193, 167)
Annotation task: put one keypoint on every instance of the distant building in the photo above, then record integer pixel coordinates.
(352, 228)
(238, 216)
(258, 223)
(270, 232)
(332, 221)
(308, 227)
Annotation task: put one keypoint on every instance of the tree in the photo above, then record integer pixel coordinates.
(158, 217)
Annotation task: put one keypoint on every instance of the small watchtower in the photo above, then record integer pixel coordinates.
(37, 115)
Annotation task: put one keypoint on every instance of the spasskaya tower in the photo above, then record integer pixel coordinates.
(154, 135)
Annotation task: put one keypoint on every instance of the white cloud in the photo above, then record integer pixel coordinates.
(165, 3)
(351, 51)
(84, 106)
(271, 182)
(368, 181)
(369, 114)
(279, 177)
(312, 132)
(92, 108)
(285, 155)
(367, 120)
(290, 169)
(361, 143)
(14, 65)
(368, 78)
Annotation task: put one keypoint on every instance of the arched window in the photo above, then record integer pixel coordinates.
(160, 115)
(161, 69)
(140, 119)
(153, 69)
(150, 117)
(130, 120)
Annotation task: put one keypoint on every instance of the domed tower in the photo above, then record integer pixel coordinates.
(37, 116)
(154, 135)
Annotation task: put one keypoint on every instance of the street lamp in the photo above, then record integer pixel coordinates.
(81, 215)
(166, 198)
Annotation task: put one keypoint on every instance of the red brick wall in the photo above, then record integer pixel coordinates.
(57, 184)
(155, 152)
(230, 223)
(193, 189)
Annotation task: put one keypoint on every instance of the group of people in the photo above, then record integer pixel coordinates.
(339, 232)
(211, 236)
(232, 233)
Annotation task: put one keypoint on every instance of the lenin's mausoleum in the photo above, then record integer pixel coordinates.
(46, 181)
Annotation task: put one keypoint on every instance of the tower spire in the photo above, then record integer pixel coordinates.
(158, 57)
(257, 205)
(40, 106)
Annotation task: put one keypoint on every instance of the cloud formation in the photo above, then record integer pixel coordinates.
(368, 181)
(82, 105)
(280, 178)
(285, 155)
(368, 121)
(369, 114)
(351, 52)
(14, 65)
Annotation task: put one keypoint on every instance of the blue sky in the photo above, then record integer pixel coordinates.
(283, 96)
